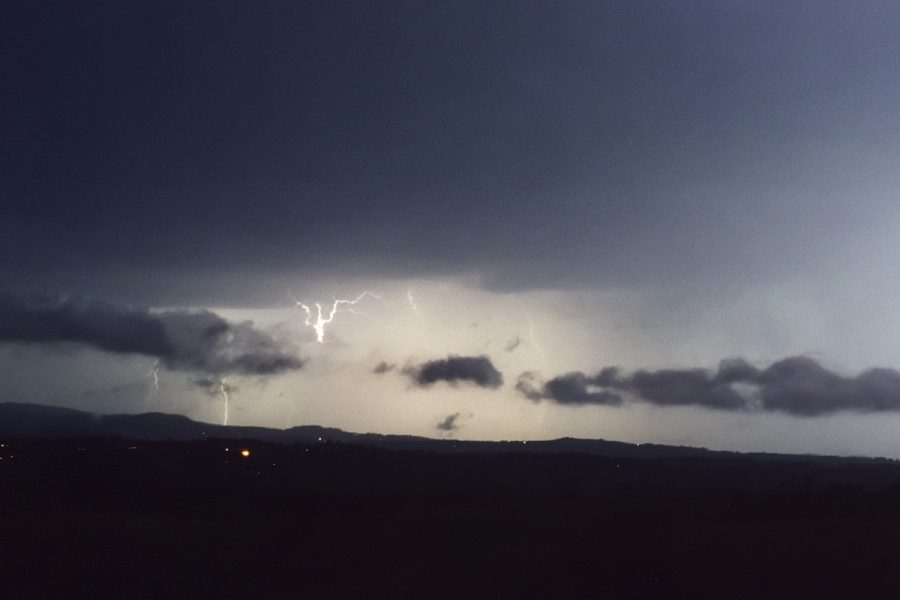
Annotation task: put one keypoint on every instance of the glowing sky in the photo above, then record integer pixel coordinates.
(556, 188)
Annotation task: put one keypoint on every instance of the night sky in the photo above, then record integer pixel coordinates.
(670, 222)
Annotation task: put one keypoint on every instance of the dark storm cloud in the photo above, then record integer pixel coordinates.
(197, 340)
(802, 386)
(478, 370)
(673, 387)
(572, 389)
(796, 385)
(139, 135)
(666, 387)
(449, 423)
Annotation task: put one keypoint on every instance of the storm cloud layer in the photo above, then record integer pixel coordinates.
(624, 123)
(660, 181)
(195, 340)
(795, 385)
(477, 370)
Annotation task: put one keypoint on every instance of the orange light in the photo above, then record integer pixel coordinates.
(245, 453)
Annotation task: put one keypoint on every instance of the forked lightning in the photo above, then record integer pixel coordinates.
(318, 324)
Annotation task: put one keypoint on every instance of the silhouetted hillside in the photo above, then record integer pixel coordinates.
(156, 505)
(160, 506)
(19, 420)
(105, 517)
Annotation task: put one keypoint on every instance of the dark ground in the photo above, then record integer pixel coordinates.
(105, 518)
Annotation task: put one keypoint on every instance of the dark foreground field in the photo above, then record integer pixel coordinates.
(103, 518)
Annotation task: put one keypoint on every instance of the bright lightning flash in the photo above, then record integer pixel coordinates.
(337, 306)
(223, 388)
(154, 373)
(412, 301)
(534, 342)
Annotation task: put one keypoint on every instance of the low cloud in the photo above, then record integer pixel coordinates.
(800, 385)
(477, 370)
(182, 340)
(513, 344)
(449, 423)
(795, 385)
(572, 388)
(527, 385)
(383, 367)
(214, 387)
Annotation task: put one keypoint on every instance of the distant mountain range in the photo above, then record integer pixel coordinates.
(34, 421)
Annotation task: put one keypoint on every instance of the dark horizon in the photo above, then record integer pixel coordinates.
(103, 517)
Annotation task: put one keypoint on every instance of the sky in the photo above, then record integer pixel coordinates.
(668, 222)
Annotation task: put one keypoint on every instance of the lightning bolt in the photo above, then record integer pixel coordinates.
(154, 387)
(534, 342)
(412, 301)
(318, 324)
(540, 351)
(223, 388)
